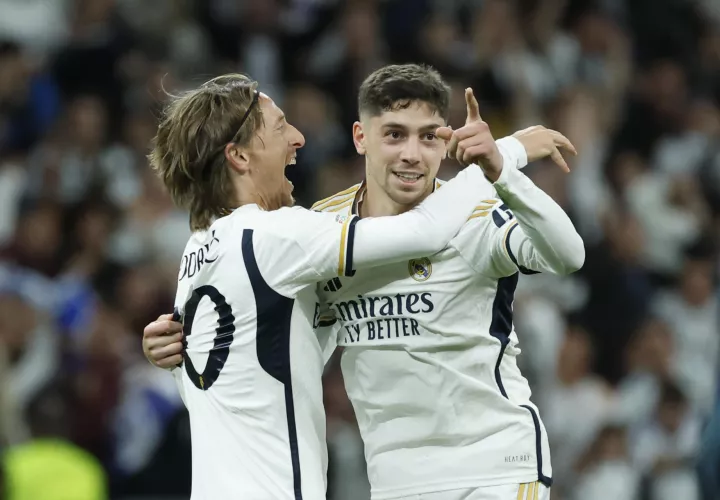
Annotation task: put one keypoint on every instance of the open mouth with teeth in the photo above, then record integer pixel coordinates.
(292, 161)
(408, 177)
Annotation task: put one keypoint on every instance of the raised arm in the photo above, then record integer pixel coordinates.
(523, 228)
(543, 237)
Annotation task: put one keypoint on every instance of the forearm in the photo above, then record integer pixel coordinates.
(424, 230)
(548, 241)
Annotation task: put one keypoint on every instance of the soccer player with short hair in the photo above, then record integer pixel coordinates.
(246, 292)
(429, 358)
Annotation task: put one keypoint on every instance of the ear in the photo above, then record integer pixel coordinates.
(359, 138)
(237, 158)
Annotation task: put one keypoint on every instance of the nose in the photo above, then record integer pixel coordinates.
(411, 152)
(297, 140)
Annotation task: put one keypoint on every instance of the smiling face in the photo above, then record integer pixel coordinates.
(271, 151)
(224, 145)
(400, 108)
(402, 152)
(259, 166)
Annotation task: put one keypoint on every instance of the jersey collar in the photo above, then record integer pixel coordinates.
(358, 199)
(360, 195)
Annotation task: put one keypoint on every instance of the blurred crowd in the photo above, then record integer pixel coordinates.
(622, 356)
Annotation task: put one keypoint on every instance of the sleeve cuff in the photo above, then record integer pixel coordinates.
(511, 183)
(347, 246)
(513, 152)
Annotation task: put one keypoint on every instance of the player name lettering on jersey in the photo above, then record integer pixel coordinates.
(193, 261)
(245, 294)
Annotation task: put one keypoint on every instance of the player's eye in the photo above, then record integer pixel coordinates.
(393, 134)
(430, 136)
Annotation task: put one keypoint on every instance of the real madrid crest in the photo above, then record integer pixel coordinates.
(420, 269)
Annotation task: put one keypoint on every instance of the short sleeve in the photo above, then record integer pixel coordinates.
(300, 247)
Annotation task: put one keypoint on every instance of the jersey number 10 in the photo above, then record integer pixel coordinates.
(224, 334)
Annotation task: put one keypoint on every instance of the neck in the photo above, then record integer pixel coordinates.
(243, 198)
(247, 194)
(377, 203)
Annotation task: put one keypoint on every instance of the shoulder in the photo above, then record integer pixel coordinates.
(285, 221)
(487, 211)
(281, 224)
(485, 232)
(339, 201)
(290, 224)
(490, 216)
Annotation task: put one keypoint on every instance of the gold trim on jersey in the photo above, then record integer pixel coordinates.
(336, 199)
(528, 491)
(486, 205)
(345, 204)
(354, 196)
(484, 209)
(479, 213)
(359, 198)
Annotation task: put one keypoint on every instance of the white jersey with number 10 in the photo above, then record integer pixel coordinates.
(256, 419)
(251, 377)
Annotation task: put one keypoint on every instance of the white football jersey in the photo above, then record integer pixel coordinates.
(430, 361)
(251, 377)
(246, 295)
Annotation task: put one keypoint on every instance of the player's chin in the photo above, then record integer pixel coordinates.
(409, 188)
(407, 195)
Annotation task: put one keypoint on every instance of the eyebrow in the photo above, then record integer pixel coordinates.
(424, 128)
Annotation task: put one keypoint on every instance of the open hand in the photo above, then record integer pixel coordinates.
(541, 142)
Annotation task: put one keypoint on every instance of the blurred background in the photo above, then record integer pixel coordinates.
(622, 356)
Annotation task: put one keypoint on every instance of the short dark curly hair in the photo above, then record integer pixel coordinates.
(398, 86)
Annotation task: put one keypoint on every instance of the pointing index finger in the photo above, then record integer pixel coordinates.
(473, 108)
